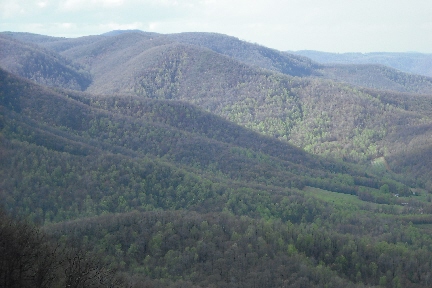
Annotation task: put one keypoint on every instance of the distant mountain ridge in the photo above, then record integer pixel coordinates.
(410, 62)
(41, 65)
(260, 56)
(378, 77)
(251, 54)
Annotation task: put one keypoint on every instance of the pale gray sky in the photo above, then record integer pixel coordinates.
(325, 25)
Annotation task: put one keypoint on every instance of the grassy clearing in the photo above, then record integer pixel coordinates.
(349, 202)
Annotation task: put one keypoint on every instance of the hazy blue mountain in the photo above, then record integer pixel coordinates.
(410, 62)
(41, 65)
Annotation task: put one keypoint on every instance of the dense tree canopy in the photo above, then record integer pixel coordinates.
(184, 173)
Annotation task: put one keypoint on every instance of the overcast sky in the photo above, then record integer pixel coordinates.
(325, 25)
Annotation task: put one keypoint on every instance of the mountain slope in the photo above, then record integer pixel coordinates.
(170, 195)
(31, 37)
(371, 76)
(153, 129)
(175, 132)
(104, 55)
(41, 66)
(321, 116)
(251, 54)
(295, 65)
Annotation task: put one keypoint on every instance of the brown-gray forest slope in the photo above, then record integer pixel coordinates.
(139, 176)
(168, 194)
(225, 76)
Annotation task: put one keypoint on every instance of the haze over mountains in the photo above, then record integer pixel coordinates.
(411, 62)
(175, 156)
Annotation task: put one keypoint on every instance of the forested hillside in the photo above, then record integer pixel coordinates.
(294, 64)
(371, 76)
(41, 66)
(178, 196)
(183, 166)
(165, 132)
(348, 123)
(251, 54)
